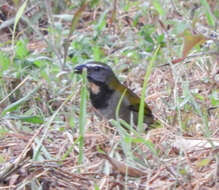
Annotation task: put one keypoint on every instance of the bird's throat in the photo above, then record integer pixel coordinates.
(100, 95)
(95, 89)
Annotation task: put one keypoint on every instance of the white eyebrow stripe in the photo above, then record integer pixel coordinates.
(94, 65)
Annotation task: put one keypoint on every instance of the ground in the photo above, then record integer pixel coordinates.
(50, 135)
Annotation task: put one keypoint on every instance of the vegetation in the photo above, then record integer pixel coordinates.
(165, 51)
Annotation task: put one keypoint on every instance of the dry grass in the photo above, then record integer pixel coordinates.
(182, 154)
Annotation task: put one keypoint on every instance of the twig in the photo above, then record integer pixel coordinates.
(201, 54)
(11, 167)
(18, 86)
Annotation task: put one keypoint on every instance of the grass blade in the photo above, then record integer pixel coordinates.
(35, 119)
(16, 104)
(208, 13)
(146, 78)
(83, 113)
(17, 18)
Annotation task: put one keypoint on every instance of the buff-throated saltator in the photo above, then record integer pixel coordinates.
(106, 90)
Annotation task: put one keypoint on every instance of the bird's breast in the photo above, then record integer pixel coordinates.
(106, 101)
(109, 112)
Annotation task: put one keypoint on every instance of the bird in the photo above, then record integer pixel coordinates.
(106, 90)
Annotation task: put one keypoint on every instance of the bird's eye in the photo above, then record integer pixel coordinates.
(96, 68)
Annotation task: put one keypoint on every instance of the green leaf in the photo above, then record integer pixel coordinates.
(183, 171)
(4, 62)
(97, 53)
(102, 21)
(3, 131)
(27, 118)
(96, 187)
(203, 162)
(208, 13)
(94, 3)
(160, 38)
(214, 97)
(158, 7)
(21, 50)
(2, 159)
(17, 18)
(199, 96)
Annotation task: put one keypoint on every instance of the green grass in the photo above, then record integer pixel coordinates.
(38, 89)
(146, 79)
(82, 117)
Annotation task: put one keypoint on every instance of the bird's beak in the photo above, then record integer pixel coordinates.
(79, 68)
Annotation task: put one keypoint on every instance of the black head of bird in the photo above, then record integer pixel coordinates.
(106, 91)
(96, 72)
